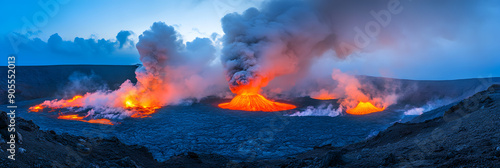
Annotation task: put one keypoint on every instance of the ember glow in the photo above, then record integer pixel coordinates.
(364, 108)
(251, 101)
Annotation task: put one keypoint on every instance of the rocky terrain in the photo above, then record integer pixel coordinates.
(37, 148)
(462, 134)
(467, 135)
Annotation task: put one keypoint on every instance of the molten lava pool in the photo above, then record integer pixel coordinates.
(255, 102)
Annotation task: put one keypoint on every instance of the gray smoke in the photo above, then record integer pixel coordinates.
(284, 36)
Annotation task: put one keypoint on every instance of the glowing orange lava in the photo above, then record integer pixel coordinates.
(255, 102)
(364, 108)
(70, 117)
(81, 118)
(57, 104)
(99, 121)
(36, 108)
(140, 111)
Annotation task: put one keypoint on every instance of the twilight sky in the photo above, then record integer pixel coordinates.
(425, 40)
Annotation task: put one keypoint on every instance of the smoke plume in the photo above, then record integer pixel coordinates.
(172, 72)
(283, 37)
(352, 92)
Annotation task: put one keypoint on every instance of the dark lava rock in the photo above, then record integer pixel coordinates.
(192, 155)
(37, 148)
(332, 158)
(28, 126)
(4, 120)
(465, 136)
(390, 160)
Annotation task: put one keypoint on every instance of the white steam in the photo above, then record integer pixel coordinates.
(322, 110)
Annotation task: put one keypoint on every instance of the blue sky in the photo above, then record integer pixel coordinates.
(470, 50)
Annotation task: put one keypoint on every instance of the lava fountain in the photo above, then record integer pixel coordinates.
(364, 108)
(249, 99)
(255, 102)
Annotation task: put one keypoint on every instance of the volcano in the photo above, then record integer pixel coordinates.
(255, 102)
(364, 108)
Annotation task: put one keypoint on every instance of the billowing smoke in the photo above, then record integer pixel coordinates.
(283, 37)
(279, 39)
(352, 92)
(172, 72)
(80, 83)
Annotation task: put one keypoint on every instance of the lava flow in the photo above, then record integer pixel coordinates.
(364, 108)
(254, 102)
(140, 111)
(55, 104)
(81, 118)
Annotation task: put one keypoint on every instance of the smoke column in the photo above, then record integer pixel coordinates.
(172, 72)
(282, 37)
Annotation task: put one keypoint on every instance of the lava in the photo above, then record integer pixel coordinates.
(76, 117)
(364, 108)
(55, 104)
(70, 117)
(140, 110)
(254, 102)
(143, 111)
(36, 108)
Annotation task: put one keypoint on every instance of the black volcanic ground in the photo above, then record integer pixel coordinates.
(205, 129)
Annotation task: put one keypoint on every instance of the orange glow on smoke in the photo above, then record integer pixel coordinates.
(74, 98)
(322, 95)
(254, 102)
(364, 108)
(76, 117)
